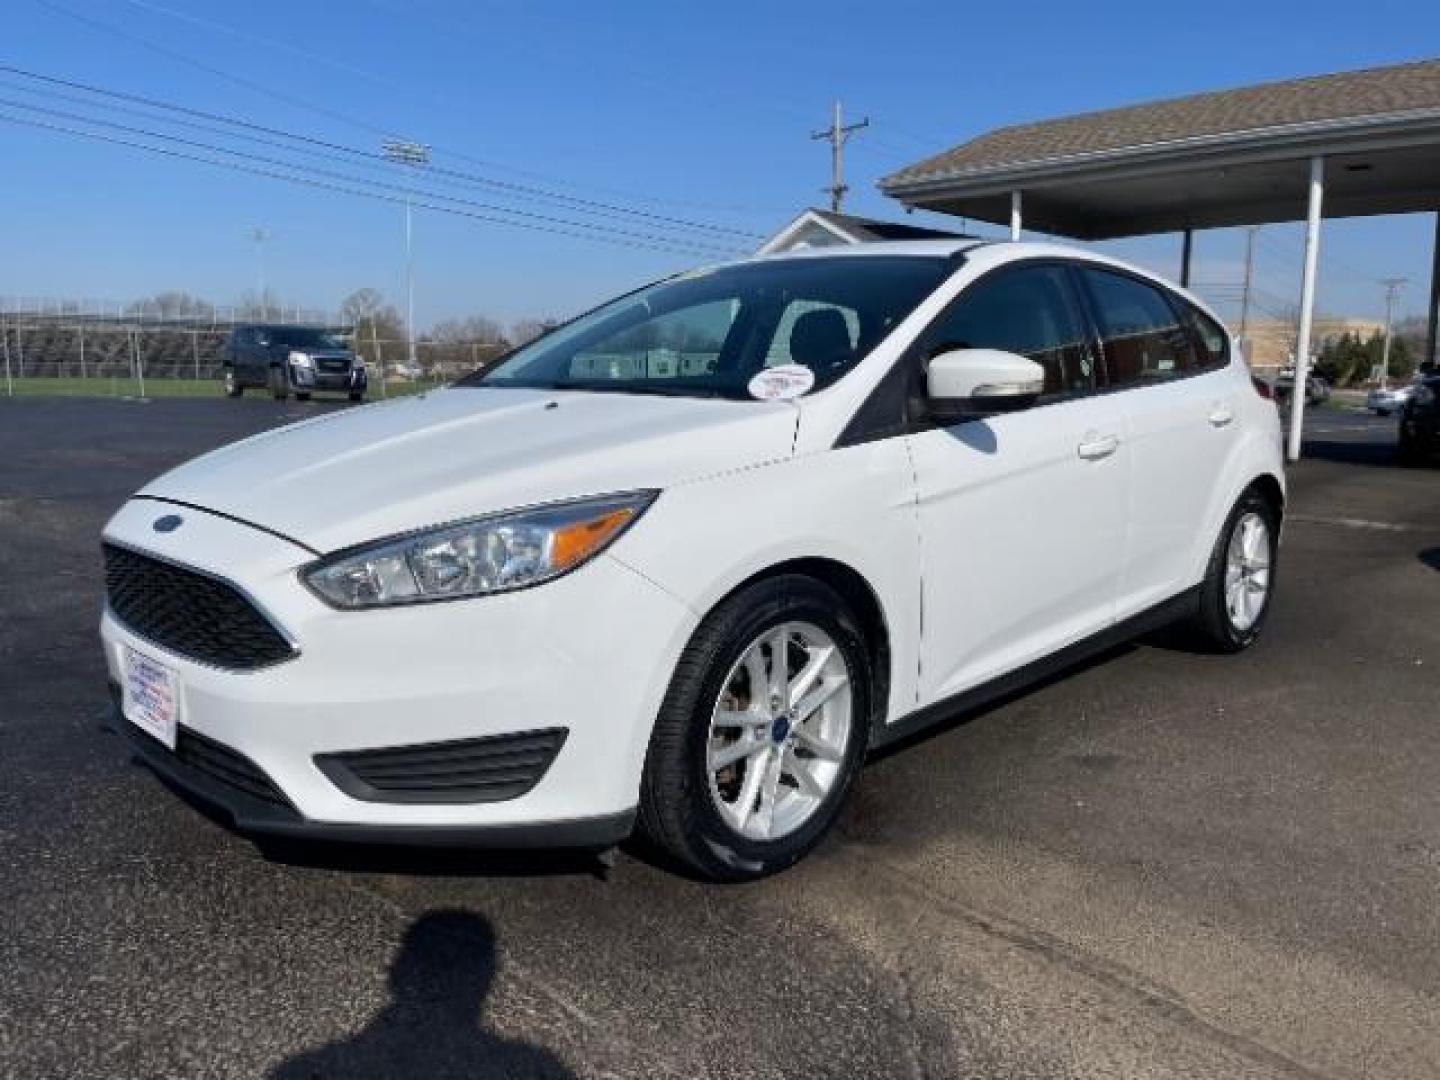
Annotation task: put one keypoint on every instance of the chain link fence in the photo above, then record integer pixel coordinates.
(127, 356)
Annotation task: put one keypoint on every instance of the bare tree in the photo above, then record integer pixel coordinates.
(174, 304)
(524, 330)
(480, 329)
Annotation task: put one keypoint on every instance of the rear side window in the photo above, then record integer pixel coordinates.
(1211, 340)
(1027, 310)
(1143, 337)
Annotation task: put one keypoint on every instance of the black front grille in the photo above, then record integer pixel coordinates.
(333, 366)
(226, 766)
(190, 613)
(489, 769)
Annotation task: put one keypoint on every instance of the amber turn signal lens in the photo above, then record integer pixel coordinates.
(572, 544)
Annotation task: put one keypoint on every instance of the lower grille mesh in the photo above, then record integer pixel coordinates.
(490, 769)
(227, 766)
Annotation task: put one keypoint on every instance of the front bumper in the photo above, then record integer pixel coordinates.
(260, 816)
(352, 380)
(591, 652)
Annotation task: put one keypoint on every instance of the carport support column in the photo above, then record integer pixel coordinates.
(1307, 307)
(1434, 324)
(1014, 215)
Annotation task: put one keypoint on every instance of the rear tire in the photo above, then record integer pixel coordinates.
(1240, 578)
(279, 384)
(800, 742)
(1409, 451)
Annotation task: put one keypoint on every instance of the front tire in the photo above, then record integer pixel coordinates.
(279, 384)
(1240, 578)
(751, 757)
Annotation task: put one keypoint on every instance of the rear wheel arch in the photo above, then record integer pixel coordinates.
(1268, 488)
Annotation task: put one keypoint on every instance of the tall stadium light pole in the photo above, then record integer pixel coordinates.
(415, 155)
(260, 234)
(1392, 290)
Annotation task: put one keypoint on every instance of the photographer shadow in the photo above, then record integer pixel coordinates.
(433, 1026)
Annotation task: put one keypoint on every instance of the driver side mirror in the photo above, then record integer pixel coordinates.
(963, 384)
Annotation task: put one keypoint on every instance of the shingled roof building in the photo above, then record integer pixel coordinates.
(826, 228)
(1340, 145)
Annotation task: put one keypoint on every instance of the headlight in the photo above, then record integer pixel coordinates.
(300, 359)
(492, 554)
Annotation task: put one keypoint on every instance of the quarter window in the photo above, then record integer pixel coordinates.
(1144, 340)
(1028, 310)
(1213, 341)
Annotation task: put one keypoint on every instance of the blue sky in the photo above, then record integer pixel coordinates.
(699, 112)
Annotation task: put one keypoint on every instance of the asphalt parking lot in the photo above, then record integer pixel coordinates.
(1163, 864)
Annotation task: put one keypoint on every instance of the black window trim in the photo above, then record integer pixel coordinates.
(1180, 307)
(909, 366)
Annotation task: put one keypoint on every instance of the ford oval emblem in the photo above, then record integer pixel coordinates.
(168, 523)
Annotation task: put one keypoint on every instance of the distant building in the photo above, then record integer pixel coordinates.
(825, 228)
(1270, 343)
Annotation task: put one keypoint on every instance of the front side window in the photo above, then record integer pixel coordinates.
(1027, 310)
(1143, 337)
(708, 333)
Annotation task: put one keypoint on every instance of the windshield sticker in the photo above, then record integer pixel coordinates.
(782, 382)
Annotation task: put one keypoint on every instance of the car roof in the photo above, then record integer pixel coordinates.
(1002, 251)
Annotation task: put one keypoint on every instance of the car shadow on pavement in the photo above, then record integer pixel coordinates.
(434, 1024)
(1351, 453)
(432, 861)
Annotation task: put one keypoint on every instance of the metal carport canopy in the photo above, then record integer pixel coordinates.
(1343, 145)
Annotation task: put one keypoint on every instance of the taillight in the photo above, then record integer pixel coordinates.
(1262, 388)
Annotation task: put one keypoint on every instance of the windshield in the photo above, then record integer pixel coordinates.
(709, 333)
(302, 338)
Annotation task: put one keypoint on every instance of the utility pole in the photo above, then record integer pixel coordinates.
(1392, 291)
(1250, 232)
(415, 155)
(260, 234)
(838, 134)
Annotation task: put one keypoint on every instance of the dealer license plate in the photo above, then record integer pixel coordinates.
(152, 696)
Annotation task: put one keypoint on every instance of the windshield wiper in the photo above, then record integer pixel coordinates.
(657, 390)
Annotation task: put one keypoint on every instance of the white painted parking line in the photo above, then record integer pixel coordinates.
(1354, 523)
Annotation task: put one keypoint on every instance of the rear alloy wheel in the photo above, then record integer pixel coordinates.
(762, 731)
(232, 384)
(1235, 596)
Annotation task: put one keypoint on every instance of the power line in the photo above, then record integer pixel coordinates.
(511, 188)
(342, 188)
(696, 246)
(260, 88)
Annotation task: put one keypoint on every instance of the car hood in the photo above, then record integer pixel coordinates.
(361, 474)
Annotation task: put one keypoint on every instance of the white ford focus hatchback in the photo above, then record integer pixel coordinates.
(680, 563)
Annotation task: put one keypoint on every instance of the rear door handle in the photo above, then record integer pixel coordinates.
(1095, 447)
(1220, 415)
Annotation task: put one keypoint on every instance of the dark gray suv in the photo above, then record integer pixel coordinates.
(291, 359)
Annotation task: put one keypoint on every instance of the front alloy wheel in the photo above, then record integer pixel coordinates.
(779, 730)
(761, 732)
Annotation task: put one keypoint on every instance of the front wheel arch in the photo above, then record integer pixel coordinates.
(856, 591)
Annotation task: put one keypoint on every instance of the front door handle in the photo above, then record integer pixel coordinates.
(1220, 415)
(1095, 447)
